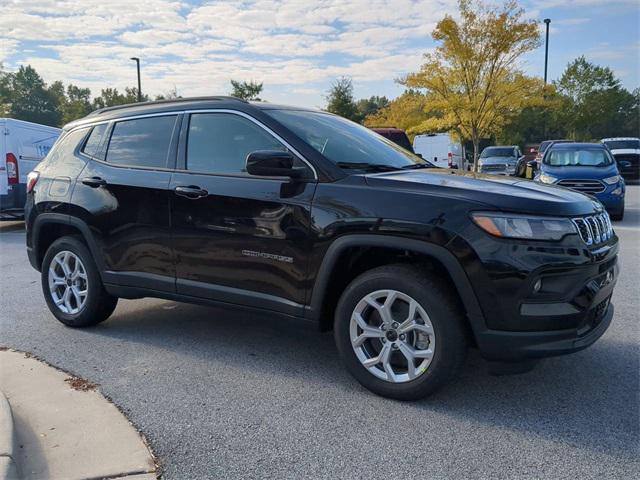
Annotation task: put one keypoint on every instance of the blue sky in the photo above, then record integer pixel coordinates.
(295, 47)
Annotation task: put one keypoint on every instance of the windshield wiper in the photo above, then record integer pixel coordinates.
(370, 167)
(416, 166)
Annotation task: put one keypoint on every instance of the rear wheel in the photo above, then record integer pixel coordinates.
(399, 332)
(72, 286)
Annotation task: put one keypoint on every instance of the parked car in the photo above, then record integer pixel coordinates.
(626, 151)
(304, 213)
(501, 160)
(439, 149)
(588, 168)
(22, 146)
(546, 144)
(530, 153)
(396, 135)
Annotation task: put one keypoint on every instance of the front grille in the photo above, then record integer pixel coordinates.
(594, 229)
(584, 186)
(494, 168)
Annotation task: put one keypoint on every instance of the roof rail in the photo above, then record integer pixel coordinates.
(160, 102)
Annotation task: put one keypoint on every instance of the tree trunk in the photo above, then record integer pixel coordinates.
(476, 153)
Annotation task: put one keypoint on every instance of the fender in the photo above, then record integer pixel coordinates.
(444, 256)
(63, 219)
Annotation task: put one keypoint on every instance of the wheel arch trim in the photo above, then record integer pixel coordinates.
(44, 219)
(445, 257)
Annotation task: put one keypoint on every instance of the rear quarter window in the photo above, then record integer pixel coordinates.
(95, 146)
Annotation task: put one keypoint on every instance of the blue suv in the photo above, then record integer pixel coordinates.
(588, 168)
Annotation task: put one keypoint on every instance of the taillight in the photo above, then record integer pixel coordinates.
(450, 159)
(12, 169)
(32, 179)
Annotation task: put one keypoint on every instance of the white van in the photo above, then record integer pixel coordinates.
(22, 146)
(439, 149)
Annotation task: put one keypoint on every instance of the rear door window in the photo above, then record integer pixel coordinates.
(142, 142)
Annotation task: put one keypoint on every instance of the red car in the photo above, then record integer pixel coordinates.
(395, 135)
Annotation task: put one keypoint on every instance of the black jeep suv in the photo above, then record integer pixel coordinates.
(216, 200)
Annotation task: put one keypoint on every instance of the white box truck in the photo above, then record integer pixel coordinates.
(22, 146)
(439, 149)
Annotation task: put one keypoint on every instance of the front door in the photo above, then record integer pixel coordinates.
(237, 238)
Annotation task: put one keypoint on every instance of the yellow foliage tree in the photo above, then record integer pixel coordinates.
(406, 111)
(472, 76)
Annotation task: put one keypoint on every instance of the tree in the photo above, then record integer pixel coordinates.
(594, 103)
(340, 99)
(405, 112)
(472, 77)
(110, 97)
(369, 106)
(5, 91)
(249, 91)
(29, 98)
(170, 95)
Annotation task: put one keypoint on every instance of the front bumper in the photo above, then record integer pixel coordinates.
(584, 319)
(519, 346)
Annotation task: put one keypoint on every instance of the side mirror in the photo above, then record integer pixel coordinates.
(273, 163)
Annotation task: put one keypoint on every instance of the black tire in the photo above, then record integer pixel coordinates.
(98, 306)
(444, 313)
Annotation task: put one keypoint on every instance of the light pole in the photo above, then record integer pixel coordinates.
(547, 21)
(137, 60)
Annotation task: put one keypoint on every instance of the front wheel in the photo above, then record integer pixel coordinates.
(72, 286)
(399, 332)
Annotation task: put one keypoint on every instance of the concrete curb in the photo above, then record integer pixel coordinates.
(8, 469)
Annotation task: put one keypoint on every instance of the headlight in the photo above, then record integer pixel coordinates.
(544, 178)
(523, 226)
(612, 180)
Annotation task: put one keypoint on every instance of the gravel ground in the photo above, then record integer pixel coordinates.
(230, 394)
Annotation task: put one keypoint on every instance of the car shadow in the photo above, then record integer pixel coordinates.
(565, 399)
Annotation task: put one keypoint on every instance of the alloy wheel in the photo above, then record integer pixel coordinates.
(392, 336)
(68, 282)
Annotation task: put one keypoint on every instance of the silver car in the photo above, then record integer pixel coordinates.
(500, 160)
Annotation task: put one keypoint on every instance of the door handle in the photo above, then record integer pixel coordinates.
(94, 182)
(192, 192)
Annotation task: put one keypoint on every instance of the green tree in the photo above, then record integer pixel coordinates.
(5, 91)
(110, 97)
(340, 99)
(249, 91)
(472, 77)
(369, 106)
(170, 95)
(29, 97)
(406, 112)
(594, 104)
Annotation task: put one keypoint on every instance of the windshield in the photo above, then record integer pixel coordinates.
(623, 144)
(497, 152)
(345, 143)
(582, 157)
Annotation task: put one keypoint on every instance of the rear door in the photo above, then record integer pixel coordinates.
(238, 238)
(124, 195)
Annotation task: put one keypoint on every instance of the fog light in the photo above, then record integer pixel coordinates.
(537, 286)
(617, 191)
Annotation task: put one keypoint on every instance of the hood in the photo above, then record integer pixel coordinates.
(625, 151)
(494, 193)
(580, 173)
(497, 160)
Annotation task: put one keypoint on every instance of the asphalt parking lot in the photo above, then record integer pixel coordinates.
(230, 394)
